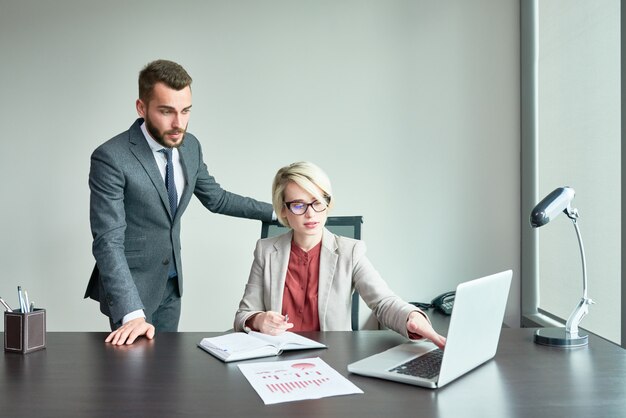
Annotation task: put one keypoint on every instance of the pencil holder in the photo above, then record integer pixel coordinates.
(24, 332)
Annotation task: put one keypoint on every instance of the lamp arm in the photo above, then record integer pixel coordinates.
(582, 256)
(582, 309)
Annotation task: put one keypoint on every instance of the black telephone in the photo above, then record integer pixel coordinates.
(444, 302)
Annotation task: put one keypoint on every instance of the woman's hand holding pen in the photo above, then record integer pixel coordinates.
(271, 323)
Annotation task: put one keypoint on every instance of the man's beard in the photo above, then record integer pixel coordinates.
(158, 137)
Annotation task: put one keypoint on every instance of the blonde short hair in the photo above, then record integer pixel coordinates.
(306, 175)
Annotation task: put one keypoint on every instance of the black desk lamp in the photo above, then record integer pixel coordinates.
(549, 208)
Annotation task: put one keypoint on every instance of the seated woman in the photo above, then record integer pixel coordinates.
(303, 280)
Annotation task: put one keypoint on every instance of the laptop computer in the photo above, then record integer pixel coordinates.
(472, 338)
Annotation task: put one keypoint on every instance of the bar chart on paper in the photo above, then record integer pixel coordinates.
(299, 377)
(286, 381)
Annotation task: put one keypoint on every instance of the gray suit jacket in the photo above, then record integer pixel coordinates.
(343, 268)
(134, 234)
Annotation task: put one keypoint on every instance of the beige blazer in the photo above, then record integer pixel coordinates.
(343, 268)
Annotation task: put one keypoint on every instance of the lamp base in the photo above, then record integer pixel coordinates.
(558, 337)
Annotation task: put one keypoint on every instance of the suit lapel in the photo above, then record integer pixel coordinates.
(186, 156)
(279, 262)
(140, 148)
(328, 265)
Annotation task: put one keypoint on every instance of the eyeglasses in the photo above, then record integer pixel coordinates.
(300, 208)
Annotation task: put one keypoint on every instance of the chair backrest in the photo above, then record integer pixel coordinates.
(346, 226)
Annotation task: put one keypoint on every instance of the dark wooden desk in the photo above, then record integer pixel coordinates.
(79, 375)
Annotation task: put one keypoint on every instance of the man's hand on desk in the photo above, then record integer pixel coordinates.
(128, 333)
(418, 324)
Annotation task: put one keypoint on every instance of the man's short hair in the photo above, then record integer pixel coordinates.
(167, 72)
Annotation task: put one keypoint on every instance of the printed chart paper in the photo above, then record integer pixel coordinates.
(294, 380)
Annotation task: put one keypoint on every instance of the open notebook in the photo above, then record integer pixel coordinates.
(241, 346)
(472, 339)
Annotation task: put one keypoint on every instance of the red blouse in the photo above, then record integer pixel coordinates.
(301, 288)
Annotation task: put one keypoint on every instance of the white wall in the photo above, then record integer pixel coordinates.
(412, 107)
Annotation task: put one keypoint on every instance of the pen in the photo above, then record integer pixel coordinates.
(287, 318)
(6, 305)
(26, 302)
(20, 299)
(32, 306)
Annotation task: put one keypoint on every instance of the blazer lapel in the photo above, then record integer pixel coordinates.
(328, 264)
(279, 262)
(140, 148)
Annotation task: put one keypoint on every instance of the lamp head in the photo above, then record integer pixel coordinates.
(552, 205)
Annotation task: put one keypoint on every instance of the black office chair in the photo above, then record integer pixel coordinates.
(346, 226)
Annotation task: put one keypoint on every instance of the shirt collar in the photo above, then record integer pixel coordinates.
(154, 146)
(311, 254)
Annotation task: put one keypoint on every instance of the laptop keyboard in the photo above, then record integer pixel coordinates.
(426, 366)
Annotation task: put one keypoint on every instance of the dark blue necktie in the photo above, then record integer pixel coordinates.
(170, 184)
(172, 196)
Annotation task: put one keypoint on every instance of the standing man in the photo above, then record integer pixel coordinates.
(141, 182)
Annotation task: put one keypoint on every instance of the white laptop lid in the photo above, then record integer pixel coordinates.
(472, 339)
(475, 325)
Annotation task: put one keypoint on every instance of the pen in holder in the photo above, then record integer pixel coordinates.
(24, 332)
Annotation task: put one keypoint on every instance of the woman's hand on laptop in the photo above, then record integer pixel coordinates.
(418, 326)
